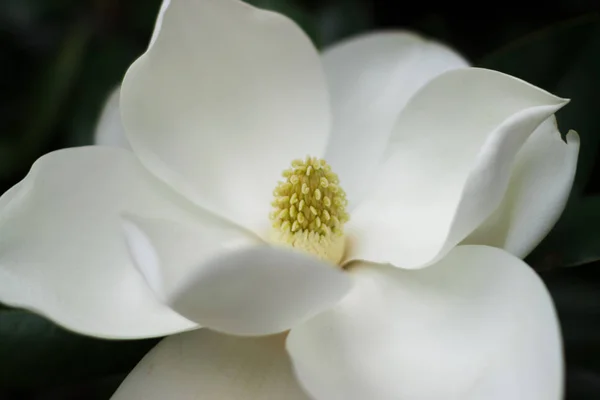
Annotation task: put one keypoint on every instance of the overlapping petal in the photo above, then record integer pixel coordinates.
(539, 187)
(208, 365)
(478, 325)
(448, 165)
(371, 78)
(232, 284)
(62, 251)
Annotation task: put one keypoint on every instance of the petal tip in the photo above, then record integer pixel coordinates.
(573, 138)
(552, 98)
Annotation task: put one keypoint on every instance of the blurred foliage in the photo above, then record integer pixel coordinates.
(576, 294)
(34, 350)
(61, 58)
(575, 240)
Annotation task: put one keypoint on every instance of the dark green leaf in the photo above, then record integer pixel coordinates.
(48, 94)
(36, 353)
(103, 69)
(98, 389)
(575, 240)
(140, 15)
(338, 19)
(576, 294)
(582, 384)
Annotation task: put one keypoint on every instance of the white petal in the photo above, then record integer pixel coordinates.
(109, 129)
(539, 187)
(167, 252)
(371, 77)
(478, 325)
(238, 288)
(449, 164)
(224, 99)
(62, 251)
(208, 365)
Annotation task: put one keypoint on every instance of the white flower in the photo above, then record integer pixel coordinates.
(436, 160)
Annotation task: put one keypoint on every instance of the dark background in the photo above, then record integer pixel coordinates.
(60, 58)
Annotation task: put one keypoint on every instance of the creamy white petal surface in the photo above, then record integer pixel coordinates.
(448, 165)
(167, 253)
(229, 285)
(205, 365)
(62, 251)
(109, 129)
(371, 77)
(478, 325)
(224, 99)
(540, 184)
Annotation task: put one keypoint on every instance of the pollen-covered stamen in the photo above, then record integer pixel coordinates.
(309, 209)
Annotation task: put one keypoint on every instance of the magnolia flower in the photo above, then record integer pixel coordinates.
(358, 215)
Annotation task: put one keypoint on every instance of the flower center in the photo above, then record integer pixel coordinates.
(309, 210)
